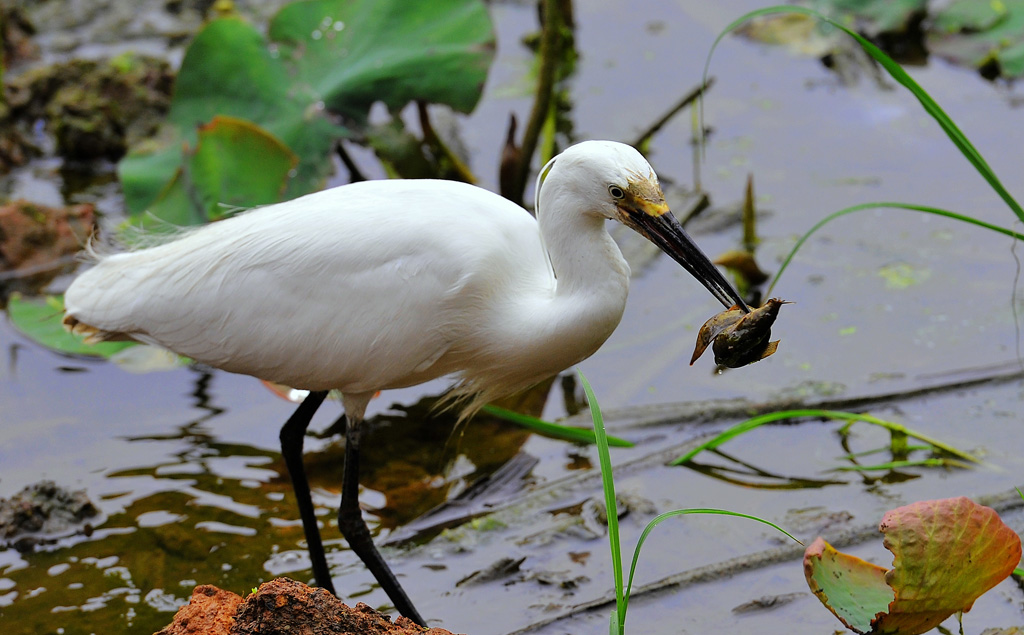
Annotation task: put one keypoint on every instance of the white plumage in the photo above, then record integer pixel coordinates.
(386, 284)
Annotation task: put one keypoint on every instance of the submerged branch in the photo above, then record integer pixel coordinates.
(355, 175)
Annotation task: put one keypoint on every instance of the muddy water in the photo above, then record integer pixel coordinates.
(184, 465)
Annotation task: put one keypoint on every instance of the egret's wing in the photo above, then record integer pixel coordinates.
(334, 290)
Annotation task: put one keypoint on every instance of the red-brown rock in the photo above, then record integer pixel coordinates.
(31, 236)
(210, 611)
(284, 606)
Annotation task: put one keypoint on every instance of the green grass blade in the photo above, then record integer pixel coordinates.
(897, 73)
(553, 430)
(760, 420)
(608, 483)
(891, 205)
(738, 429)
(613, 623)
(681, 512)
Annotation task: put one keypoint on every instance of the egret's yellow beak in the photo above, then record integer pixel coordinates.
(644, 210)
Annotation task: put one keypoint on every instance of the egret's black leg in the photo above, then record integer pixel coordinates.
(353, 527)
(293, 433)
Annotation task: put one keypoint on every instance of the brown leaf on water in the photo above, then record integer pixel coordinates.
(946, 553)
(739, 338)
(744, 264)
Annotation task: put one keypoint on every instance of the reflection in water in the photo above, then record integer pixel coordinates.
(223, 513)
(418, 457)
(749, 475)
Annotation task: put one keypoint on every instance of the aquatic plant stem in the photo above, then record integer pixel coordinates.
(435, 142)
(550, 50)
(355, 175)
(645, 137)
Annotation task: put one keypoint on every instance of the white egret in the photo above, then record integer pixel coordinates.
(386, 284)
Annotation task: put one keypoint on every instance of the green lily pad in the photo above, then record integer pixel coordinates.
(325, 64)
(39, 319)
(874, 17)
(806, 35)
(852, 588)
(235, 164)
(947, 553)
(988, 36)
(969, 16)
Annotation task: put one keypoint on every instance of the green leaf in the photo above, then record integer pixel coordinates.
(657, 520)
(39, 319)
(611, 509)
(553, 430)
(880, 16)
(174, 206)
(979, 34)
(227, 70)
(853, 589)
(238, 164)
(969, 15)
(235, 164)
(325, 58)
(351, 54)
(896, 465)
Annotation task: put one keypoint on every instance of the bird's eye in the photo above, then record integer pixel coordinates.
(616, 191)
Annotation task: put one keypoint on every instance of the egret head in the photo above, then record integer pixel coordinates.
(615, 181)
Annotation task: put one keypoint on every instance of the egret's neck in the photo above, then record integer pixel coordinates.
(588, 264)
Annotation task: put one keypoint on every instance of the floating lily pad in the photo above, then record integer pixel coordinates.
(988, 36)
(852, 588)
(801, 34)
(235, 164)
(325, 64)
(874, 17)
(804, 34)
(947, 553)
(39, 319)
(970, 16)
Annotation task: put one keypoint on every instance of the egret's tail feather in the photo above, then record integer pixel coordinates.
(91, 334)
